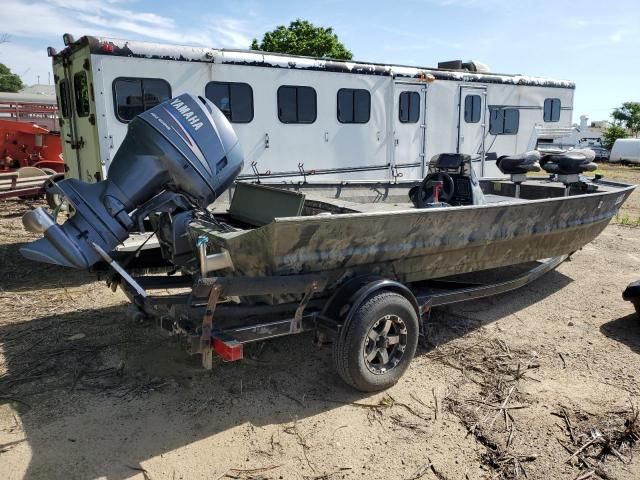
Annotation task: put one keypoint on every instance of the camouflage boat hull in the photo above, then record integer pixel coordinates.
(411, 244)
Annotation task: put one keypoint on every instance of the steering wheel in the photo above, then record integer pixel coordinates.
(425, 193)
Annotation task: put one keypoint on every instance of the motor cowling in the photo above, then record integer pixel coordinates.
(180, 155)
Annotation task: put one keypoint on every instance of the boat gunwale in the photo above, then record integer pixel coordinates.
(623, 189)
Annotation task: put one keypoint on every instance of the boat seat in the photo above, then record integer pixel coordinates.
(572, 162)
(519, 164)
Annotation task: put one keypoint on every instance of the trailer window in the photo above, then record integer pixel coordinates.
(64, 99)
(409, 107)
(81, 90)
(354, 105)
(472, 108)
(132, 96)
(552, 110)
(234, 99)
(504, 121)
(296, 104)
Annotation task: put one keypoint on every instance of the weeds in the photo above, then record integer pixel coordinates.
(625, 219)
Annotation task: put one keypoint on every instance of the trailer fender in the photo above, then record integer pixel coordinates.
(345, 301)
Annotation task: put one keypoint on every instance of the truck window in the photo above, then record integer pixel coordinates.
(504, 121)
(132, 96)
(64, 99)
(354, 105)
(296, 104)
(552, 110)
(472, 108)
(234, 99)
(81, 90)
(409, 107)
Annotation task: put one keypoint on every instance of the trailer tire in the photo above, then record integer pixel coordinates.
(384, 321)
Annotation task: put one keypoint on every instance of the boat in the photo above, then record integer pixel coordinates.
(346, 229)
(361, 262)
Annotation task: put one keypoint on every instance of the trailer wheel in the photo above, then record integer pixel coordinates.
(377, 342)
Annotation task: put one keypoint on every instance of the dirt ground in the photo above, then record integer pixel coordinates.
(539, 383)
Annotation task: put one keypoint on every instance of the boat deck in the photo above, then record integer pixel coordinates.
(345, 198)
(347, 206)
(492, 198)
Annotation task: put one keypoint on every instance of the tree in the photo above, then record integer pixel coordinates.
(9, 82)
(628, 115)
(301, 37)
(611, 134)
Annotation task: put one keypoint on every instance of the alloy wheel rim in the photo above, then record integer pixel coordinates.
(385, 344)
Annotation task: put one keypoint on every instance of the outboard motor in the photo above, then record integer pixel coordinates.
(180, 155)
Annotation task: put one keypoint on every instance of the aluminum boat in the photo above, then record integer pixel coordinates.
(359, 262)
(341, 230)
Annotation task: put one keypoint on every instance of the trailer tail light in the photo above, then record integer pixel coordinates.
(107, 48)
(229, 350)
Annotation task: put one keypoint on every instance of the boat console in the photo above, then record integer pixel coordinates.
(451, 181)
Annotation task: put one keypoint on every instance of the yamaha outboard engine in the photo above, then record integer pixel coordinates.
(179, 155)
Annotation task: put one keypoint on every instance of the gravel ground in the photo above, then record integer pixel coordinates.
(508, 386)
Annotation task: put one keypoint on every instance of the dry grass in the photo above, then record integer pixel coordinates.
(592, 442)
(496, 370)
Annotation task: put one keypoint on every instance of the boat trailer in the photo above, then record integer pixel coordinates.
(224, 328)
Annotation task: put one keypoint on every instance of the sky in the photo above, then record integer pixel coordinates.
(594, 43)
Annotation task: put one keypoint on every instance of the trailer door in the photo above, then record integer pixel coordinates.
(408, 159)
(472, 107)
(82, 152)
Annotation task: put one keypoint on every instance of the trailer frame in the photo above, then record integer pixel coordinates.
(226, 327)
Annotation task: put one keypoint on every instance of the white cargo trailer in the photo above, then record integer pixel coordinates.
(625, 150)
(299, 116)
